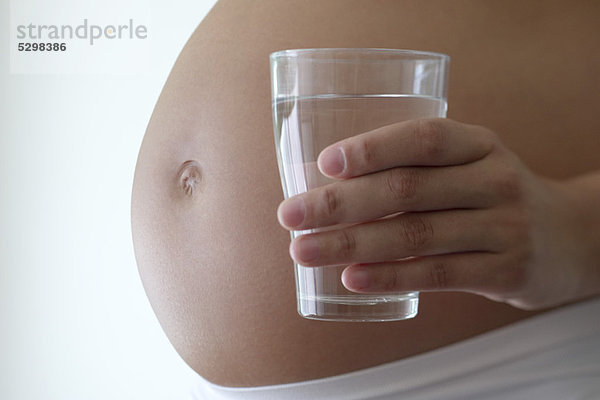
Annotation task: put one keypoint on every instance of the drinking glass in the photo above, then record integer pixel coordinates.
(321, 96)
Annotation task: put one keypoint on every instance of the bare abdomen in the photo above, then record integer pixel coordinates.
(212, 257)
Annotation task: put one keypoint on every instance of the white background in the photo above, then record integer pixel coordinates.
(74, 319)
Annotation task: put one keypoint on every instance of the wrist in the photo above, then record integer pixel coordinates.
(583, 196)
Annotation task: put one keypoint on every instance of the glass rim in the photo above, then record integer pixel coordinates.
(295, 53)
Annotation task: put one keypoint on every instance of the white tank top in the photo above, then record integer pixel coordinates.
(552, 356)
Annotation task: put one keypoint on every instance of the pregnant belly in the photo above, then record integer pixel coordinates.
(213, 260)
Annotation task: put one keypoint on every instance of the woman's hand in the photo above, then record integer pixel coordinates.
(462, 213)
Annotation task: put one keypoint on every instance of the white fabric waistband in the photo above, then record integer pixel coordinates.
(560, 344)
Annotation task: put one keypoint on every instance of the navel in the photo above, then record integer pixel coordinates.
(190, 178)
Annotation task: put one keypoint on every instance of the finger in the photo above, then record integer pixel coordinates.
(481, 273)
(410, 234)
(425, 142)
(394, 190)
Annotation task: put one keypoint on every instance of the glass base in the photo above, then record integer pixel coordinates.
(359, 308)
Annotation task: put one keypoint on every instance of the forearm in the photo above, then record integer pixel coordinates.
(584, 191)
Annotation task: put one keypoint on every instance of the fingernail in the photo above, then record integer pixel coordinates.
(356, 278)
(332, 161)
(305, 249)
(291, 213)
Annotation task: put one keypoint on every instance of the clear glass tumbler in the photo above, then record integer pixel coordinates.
(321, 96)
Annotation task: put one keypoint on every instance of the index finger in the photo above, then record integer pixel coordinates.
(423, 142)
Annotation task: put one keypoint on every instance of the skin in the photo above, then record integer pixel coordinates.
(477, 218)
(215, 261)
